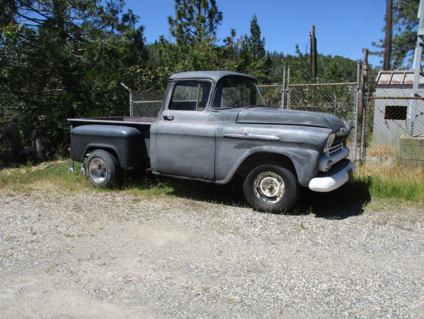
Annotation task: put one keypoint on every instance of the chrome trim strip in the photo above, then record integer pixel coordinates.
(253, 136)
(108, 122)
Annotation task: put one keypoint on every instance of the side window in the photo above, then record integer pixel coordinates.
(190, 96)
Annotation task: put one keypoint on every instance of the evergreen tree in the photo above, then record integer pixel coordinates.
(66, 61)
(194, 20)
(256, 45)
(405, 26)
(253, 48)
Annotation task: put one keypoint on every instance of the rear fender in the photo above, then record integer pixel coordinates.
(127, 143)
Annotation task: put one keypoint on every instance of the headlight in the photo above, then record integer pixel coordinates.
(328, 165)
(330, 141)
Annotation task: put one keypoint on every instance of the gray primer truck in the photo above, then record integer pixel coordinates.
(212, 126)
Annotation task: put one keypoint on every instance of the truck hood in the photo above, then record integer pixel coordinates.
(261, 115)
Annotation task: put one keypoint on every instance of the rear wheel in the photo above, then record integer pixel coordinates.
(271, 188)
(102, 168)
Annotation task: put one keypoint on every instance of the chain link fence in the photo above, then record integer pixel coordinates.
(334, 98)
(273, 95)
(339, 99)
(145, 103)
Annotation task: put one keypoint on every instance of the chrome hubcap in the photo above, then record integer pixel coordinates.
(269, 187)
(97, 170)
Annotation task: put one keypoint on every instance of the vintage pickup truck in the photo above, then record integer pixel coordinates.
(213, 126)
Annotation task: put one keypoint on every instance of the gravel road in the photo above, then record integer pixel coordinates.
(111, 255)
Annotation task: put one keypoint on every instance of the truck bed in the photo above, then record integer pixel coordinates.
(122, 120)
(128, 138)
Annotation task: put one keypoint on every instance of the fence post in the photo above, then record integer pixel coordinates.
(131, 103)
(131, 100)
(364, 105)
(417, 68)
(288, 89)
(283, 91)
(355, 132)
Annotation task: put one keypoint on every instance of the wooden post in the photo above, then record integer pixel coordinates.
(364, 105)
(313, 52)
(388, 38)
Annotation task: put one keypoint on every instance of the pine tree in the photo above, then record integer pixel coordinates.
(252, 48)
(66, 61)
(194, 20)
(256, 45)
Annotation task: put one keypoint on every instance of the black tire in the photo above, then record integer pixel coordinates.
(271, 188)
(102, 169)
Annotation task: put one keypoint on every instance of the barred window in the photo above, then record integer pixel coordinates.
(395, 112)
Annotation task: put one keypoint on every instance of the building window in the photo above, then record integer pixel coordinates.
(395, 112)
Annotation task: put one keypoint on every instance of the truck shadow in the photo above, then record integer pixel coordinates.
(349, 200)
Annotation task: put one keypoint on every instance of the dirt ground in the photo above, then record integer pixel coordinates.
(108, 255)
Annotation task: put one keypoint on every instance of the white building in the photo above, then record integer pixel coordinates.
(391, 113)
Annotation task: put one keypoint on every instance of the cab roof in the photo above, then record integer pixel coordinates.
(212, 75)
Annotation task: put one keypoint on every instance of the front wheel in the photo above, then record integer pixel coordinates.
(271, 188)
(102, 168)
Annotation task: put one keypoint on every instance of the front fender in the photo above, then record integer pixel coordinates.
(305, 161)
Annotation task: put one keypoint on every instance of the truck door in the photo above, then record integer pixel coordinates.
(185, 135)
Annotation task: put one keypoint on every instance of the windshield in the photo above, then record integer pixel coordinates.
(237, 92)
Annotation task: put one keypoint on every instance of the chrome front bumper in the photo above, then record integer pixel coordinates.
(336, 177)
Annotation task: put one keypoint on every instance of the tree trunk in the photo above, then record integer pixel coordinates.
(39, 147)
(16, 153)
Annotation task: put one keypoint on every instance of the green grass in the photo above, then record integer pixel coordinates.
(53, 174)
(404, 184)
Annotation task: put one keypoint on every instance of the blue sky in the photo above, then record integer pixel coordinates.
(286, 23)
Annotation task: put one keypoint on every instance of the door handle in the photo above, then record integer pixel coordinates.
(168, 117)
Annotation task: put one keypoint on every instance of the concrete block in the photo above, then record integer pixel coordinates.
(411, 147)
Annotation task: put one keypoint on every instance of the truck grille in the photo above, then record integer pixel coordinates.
(340, 138)
(336, 148)
(338, 143)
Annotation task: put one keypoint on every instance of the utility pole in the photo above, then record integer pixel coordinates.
(313, 52)
(364, 104)
(388, 39)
